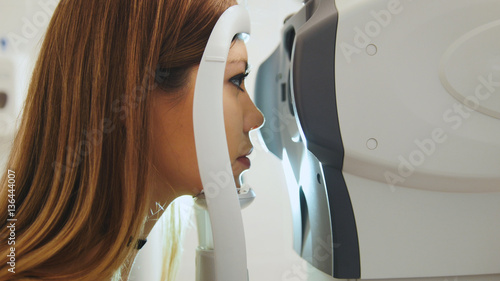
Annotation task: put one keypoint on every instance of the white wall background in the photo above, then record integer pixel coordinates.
(22, 24)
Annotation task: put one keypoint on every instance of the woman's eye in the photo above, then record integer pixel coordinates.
(238, 80)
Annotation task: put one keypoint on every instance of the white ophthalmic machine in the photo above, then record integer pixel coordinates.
(387, 114)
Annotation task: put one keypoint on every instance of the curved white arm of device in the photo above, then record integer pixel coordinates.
(211, 148)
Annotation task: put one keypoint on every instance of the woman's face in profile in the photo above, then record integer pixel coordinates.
(173, 146)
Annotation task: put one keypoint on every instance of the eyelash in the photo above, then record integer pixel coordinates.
(238, 80)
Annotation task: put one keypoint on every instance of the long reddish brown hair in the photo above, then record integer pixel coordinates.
(80, 156)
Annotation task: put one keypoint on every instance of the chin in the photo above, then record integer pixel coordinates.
(237, 181)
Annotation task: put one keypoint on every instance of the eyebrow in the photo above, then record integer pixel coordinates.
(240, 60)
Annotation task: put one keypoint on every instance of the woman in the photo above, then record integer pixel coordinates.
(106, 134)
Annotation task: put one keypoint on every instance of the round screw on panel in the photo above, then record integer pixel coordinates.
(372, 144)
(371, 50)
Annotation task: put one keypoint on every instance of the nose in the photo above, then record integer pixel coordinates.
(254, 118)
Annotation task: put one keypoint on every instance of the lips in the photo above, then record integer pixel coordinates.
(244, 161)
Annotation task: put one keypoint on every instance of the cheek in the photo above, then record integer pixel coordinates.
(173, 148)
(233, 121)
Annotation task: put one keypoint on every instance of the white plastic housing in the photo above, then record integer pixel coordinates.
(421, 134)
(212, 152)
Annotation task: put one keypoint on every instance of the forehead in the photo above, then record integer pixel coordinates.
(237, 52)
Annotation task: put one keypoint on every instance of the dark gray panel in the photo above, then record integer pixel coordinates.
(267, 100)
(313, 68)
